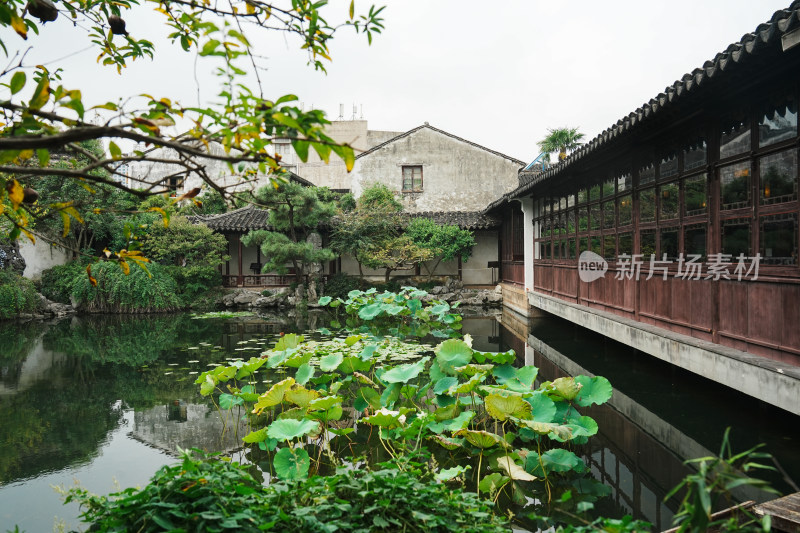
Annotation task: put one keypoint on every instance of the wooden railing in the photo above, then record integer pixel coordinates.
(257, 280)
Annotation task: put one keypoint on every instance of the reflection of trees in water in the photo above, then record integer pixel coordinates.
(17, 340)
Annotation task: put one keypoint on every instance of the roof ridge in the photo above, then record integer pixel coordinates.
(456, 137)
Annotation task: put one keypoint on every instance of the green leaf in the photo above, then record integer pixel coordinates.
(227, 401)
(326, 402)
(446, 474)
(583, 427)
(481, 439)
(391, 394)
(452, 353)
(291, 429)
(404, 373)
(301, 396)
(594, 390)
(354, 364)
(114, 150)
(329, 363)
(444, 385)
(369, 312)
(256, 436)
(17, 82)
(370, 397)
(273, 396)
(493, 483)
(566, 388)
(304, 373)
(291, 340)
(543, 409)
(503, 407)
(325, 300)
(291, 464)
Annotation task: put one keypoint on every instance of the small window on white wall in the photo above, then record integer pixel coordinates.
(412, 178)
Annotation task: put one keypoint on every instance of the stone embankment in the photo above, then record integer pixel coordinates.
(452, 291)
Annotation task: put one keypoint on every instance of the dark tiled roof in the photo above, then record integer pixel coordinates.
(471, 220)
(767, 36)
(237, 221)
(426, 125)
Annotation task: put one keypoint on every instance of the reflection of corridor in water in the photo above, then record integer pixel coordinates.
(639, 450)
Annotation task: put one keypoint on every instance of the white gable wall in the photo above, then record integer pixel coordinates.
(456, 176)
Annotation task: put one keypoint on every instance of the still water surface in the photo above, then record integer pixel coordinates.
(106, 401)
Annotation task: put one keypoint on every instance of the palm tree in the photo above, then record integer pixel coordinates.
(560, 140)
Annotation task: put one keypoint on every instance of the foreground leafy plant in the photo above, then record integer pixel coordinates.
(710, 489)
(210, 494)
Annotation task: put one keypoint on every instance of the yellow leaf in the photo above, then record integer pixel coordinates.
(28, 234)
(19, 25)
(65, 220)
(92, 280)
(250, 8)
(164, 215)
(126, 269)
(15, 193)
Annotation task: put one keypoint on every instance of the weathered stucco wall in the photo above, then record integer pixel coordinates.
(456, 175)
(40, 256)
(476, 271)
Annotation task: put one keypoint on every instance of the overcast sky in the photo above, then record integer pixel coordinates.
(496, 73)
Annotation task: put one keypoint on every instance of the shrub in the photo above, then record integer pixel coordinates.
(17, 295)
(57, 281)
(211, 495)
(194, 280)
(340, 284)
(117, 292)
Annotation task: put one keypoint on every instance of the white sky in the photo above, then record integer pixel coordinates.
(496, 73)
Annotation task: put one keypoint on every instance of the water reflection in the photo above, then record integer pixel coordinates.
(658, 417)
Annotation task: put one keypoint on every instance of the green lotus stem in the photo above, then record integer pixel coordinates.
(480, 462)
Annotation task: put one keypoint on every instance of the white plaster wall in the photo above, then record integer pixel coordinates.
(41, 256)
(476, 271)
(457, 176)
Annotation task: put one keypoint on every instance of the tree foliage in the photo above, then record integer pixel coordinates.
(373, 233)
(296, 212)
(561, 140)
(446, 242)
(185, 244)
(40, 116)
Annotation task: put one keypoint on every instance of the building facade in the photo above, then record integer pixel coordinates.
(679, 222)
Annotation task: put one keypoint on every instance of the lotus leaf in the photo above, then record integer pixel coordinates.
(329, 363)
(513, 470)
(479, 438)
(447, 443)
(295, 413)
(256, 436)
(594, 390)
(273, 396)
(297, 360)
(472, 369)
(371, 311)
(469, 386)
(457, 423)
(545, 428)
(404, 373)
(503, 373)
(447, 474)
(304, 373)
(543, 409)
(341, 431)
(291, 429)
(368, 352)
(325, 402)
(301, 396)
(566, 388)
(332, 413)
(493, 483)
(555, 460)
(291, 464)
(228, 401)
(370, 397)
(291, 340)
(248, 393)
(503, 407)
(583, 427)
(452, 353)
(325, 300)
(447, 413)
(353, 364)
(386, 419)
(391, 394)
(444, 385)
(352, 339)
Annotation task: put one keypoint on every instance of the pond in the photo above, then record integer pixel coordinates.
(105, 401)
